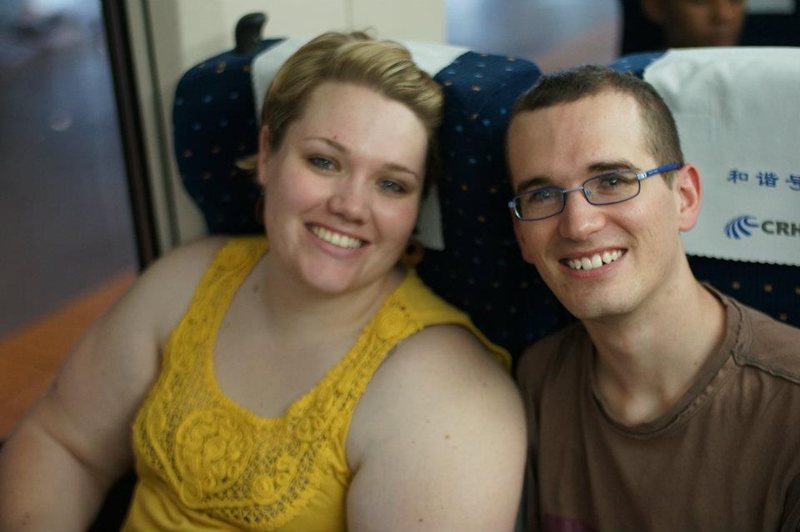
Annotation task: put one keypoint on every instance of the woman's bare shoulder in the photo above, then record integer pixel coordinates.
(188, 261)
(448, 345)
(444, 373)
(440, 420)
(164, 290)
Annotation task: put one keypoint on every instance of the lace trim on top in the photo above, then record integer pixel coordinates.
(222, 459)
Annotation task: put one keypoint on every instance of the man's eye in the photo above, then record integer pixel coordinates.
(542, 195)
(612, 181)
(322, 162)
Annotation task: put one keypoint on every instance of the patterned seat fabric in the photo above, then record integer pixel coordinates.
(480, 270)
(771, 288)
(215, 125)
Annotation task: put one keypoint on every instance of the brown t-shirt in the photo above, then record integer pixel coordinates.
(725, 457)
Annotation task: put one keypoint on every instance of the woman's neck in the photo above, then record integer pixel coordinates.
(296, 310)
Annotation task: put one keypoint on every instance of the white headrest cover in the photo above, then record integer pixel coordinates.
(738, 115)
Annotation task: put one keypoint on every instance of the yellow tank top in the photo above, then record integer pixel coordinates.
(206, 463)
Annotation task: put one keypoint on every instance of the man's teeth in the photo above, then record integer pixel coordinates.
(595, 261)
(337, 239)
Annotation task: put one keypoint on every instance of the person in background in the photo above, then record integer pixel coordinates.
(302, 382)
(668, 405)
(660, 24)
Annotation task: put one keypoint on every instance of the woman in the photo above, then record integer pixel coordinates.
(306, 382)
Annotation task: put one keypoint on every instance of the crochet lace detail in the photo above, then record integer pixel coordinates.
(223, 460)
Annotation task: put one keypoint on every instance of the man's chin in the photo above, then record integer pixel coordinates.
(597, 309)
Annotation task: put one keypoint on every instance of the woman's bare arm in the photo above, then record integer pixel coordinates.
(65, 454)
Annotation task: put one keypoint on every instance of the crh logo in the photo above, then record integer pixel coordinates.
(741, 226)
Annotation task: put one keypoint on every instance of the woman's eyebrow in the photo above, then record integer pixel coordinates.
(330, 142)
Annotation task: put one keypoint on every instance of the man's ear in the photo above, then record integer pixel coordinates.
(689, 189)
(654, 10)
(264, 154)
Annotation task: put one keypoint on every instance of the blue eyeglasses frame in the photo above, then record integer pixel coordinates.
(640, 176)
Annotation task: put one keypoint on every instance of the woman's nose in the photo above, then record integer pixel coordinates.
(349, 199)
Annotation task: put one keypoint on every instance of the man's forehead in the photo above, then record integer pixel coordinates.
(608, 103)
(549, 141)
(599, 97)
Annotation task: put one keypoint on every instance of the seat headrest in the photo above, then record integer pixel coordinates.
(215, 124)
(737, 114)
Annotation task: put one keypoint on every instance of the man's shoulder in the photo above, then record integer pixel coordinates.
(552, 353)
(766, 343)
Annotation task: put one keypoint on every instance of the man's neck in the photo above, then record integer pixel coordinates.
(648, 360)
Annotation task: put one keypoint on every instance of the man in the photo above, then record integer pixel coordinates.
(668, 406)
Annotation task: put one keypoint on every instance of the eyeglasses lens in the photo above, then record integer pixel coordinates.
(611, 188)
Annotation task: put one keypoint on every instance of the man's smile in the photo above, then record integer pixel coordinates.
(591, 262)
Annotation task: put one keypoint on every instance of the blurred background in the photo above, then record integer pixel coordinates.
(65, 225)
(64, 217)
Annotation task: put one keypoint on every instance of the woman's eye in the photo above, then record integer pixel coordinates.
(391, 185)
(322, 162)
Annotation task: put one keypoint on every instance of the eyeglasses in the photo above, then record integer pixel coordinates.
(604, 189)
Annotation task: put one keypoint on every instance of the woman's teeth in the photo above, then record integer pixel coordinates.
(336, 239)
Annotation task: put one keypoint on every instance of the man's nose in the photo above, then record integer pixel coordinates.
(579, 219)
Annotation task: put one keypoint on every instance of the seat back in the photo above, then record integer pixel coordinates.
(215, 125)
(737, 114)
(481, 270)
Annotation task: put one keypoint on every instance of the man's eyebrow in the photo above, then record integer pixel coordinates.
(606, 166)
(532, 183)
(592, 169)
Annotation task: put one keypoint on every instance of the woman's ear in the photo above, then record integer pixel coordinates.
(689, 189)
(264, 155)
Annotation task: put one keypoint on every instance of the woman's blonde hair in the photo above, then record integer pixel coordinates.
(383, 66)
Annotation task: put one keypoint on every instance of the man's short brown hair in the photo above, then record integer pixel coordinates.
(566, 86)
